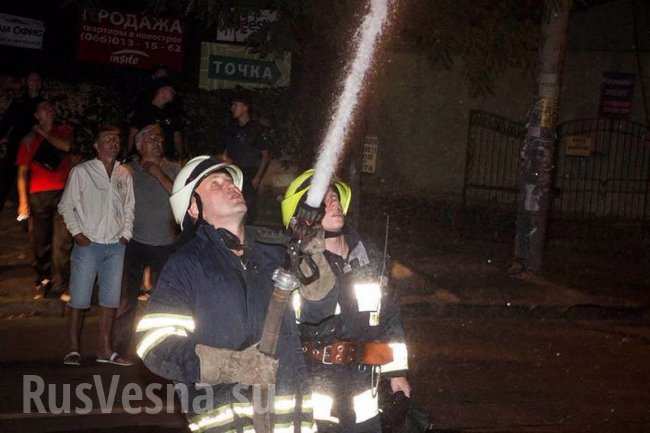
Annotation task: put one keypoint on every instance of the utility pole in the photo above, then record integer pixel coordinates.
(538, 151)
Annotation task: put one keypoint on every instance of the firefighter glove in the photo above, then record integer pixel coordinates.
(248, 367)
(316, 244)
(321, 287)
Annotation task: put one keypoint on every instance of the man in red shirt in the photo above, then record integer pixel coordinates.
(43, 165)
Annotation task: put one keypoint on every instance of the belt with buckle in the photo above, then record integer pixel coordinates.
(347, 352)
(339, 352)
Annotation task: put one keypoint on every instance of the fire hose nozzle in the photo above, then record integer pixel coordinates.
(309, 214)
(285, 280)
(306, 222)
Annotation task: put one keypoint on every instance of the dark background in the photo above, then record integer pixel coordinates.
(58, 58)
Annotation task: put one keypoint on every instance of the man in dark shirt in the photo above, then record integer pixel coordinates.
(160, 112)
(247, 145)
(16, 123)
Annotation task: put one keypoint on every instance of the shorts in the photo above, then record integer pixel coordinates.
(102, 261)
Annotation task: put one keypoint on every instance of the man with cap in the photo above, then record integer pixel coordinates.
(205, 317)
(246, 144)
(160, 111)
(350, 328)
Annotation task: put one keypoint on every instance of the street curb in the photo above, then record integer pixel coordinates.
(56, 308)
(30, 308)
(97, 422)
(526, 312)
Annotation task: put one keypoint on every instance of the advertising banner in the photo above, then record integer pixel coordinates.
(616, 94)
(21, 32)
(140, 41)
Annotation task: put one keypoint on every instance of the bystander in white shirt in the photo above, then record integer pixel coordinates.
(100, 207)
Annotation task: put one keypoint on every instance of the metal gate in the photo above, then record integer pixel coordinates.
(602, 168)
(492, 158)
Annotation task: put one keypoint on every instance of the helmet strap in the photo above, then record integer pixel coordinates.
(329, 234)
(199, 207)
(231, 240)
(189, 225)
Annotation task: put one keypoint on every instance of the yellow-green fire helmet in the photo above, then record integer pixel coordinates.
(299, 187)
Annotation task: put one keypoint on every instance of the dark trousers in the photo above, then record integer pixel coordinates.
(136, 258)
(50, 239)
(342, 383)
(250, 194)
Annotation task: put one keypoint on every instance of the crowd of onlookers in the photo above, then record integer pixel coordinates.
(106, 221)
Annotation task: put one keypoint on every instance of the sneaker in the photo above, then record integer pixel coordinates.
(114, 359)
(144, 297)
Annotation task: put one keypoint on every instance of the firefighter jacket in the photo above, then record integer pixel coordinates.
(208, 295)
(357, 309)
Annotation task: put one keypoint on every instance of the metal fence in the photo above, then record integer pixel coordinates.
(602, 168)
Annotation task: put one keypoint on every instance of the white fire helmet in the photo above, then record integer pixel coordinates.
(189, 178)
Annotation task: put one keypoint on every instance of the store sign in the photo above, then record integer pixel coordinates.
(233, 68)
(248, 24)
(141, 41)
(578, 145)
(616, 94)
(226, 66)
(21, 32)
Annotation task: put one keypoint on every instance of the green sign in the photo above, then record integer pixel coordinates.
(225, 66)
(238, 69)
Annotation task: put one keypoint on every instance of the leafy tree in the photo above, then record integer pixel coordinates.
(486, 37)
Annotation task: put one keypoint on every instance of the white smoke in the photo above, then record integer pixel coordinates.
(332, 145)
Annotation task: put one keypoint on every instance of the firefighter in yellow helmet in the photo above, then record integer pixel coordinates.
(352, 332)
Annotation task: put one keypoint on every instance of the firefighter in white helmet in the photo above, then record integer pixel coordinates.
(202, 323)
(352, 332)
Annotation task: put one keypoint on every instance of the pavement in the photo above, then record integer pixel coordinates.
(470, 374)
(40, 394)
(453, 284)
(467, 277)
(564, 351)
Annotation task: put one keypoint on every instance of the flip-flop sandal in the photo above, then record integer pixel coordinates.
(72, 358)
(115, 360)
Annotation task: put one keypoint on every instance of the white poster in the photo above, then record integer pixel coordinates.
(248, 24)
(369, 161)
(21, 32)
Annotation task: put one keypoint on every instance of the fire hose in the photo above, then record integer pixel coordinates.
(306, 223)
(304, 227)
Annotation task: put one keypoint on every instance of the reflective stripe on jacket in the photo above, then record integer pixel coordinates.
(357, 309)
(207, 295)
